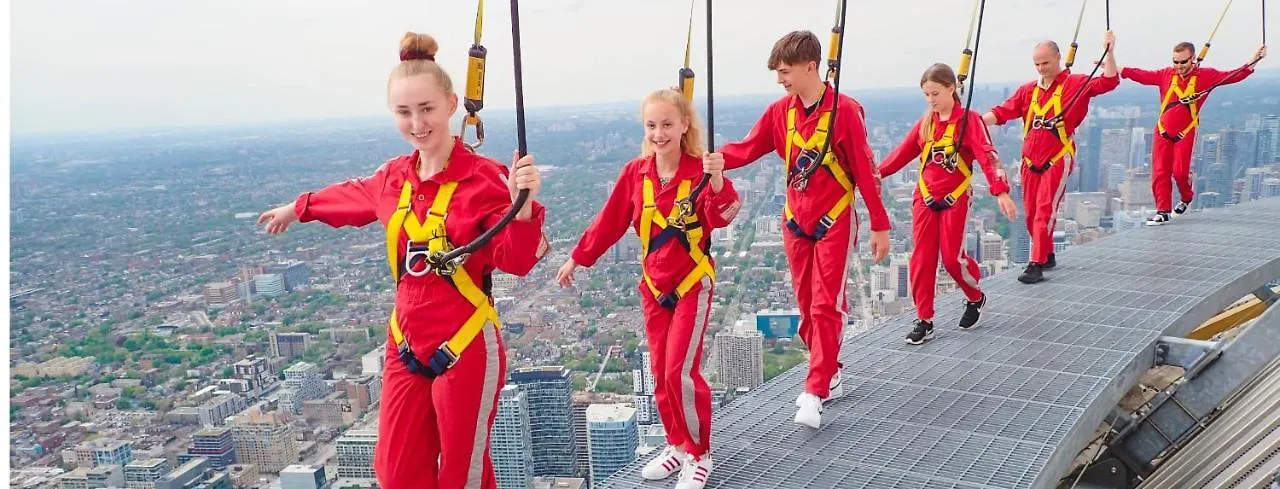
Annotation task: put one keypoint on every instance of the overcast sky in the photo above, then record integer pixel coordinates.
(100, 64)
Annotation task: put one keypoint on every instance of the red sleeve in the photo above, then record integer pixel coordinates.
(758, 142)
(1013, 108)
(1101, 84)
(978, 140)
(520, 245)
(350, 203)
(909, 149)
(1220, 78)
(862, 165)
(1142, 77)
(719, 208)
(611, 223)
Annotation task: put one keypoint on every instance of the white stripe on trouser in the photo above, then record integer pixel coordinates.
(1057, 197)
(475, 473)
(964, 260)
(688, 390)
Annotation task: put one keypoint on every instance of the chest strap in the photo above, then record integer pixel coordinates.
(690, 236)
(1185, 96)
(939, 152)
(809, 149)
(423, 239)
(1038, 117)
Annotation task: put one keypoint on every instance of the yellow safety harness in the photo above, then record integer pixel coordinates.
(1038, 117)
(808, 152)
(1186, 97)
(940, 152)
(425, 239)
(690, 236)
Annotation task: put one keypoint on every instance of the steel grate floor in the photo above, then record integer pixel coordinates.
(989, 408)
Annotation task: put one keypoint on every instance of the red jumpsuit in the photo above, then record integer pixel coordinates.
(435, 432)
(942, 231)
(674, 335)
(1042, 190)
(819, 272)
(1175, 133)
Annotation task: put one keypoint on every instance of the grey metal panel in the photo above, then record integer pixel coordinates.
(1011, 403)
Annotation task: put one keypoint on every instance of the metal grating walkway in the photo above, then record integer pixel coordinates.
(1011, 403)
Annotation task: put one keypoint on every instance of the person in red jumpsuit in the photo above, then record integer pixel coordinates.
(1182, 94)
(943, 194)
(434, 432)
(819, 223)
(678, 274)
(1048, 141)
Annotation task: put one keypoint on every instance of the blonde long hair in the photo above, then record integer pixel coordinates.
(691, 141)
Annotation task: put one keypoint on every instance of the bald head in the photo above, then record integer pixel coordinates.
(1048, 59)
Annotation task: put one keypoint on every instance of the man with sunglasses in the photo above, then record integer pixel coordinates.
(1051, 107)
(1184, 86)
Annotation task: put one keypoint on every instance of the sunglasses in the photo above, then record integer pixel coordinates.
(1181, 62)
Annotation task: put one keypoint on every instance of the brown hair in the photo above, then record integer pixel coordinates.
(941, 74)
(1184, 46)
(418, 57)
(797, 47)
(691, 141)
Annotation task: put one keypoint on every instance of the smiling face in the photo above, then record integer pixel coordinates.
(1183, 61)
(422, 111)
(664, 128)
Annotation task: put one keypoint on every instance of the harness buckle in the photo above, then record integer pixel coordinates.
(1189, 99)
(685, 211)
(418, 259)
(440, 361)
(800, 174)
(668, 300)
(1046, 123)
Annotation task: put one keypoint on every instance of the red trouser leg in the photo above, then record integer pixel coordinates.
(926, 230)
(1030, 186)
(819, 273)
(448, 417)
(1162, 156)
(1182, 174)
(682, 394)
(1050, 187)
(962, 268)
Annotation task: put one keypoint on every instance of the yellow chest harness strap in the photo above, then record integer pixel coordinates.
(1186, 97)
(424, 238)
(1038, 117)
(937, 152)
(692, 234)
(808, 151)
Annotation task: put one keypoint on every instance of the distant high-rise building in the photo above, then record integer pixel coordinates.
(214, 444)
(220, 293)
(143, 474)
(258, 372)
(293, 274)
(303, 477)
(103, 451)
(1091, 161)
(355, 451)
(1136, 190)
(307, 383)
(612, 439)
(992, 247)
(642, 384)
(269, 284)
(740, 358)
(511, 445)
(289, 345)
(263, 439)
(549, 394)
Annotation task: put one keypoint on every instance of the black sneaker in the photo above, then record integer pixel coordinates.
(1053, 261)
(921, 333)
(1181, 207)
(1032, 274)
(971, 312)
(1158, 219)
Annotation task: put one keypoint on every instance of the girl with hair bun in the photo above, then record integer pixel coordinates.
(676, 268)
(446, 363)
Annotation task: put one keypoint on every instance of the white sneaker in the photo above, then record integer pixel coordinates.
(665, 464)
(810, 410)
(836, 389)
(695, 472)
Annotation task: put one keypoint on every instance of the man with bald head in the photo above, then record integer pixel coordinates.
(1049, 121)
